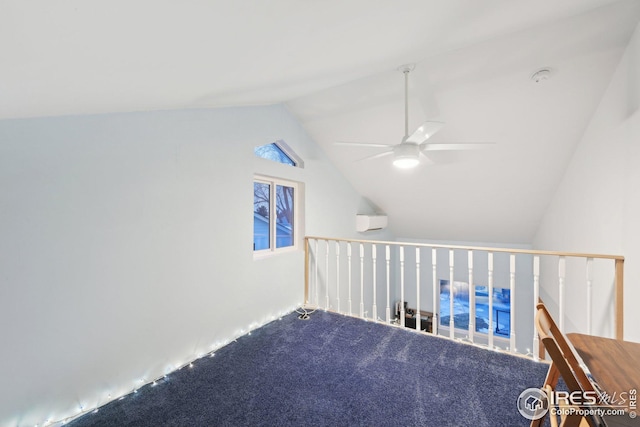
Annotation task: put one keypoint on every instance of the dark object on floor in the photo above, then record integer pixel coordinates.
(410, 317)
(333, 370)
(425, 324)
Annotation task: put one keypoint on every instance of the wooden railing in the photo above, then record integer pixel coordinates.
(357, 277)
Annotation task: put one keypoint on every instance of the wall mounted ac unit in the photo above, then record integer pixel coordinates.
(370, 222)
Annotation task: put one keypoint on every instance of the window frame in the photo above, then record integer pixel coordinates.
(273, 184)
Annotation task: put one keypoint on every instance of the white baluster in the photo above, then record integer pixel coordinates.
(418, 317)
(338, 276)
(589, 293)
(490, 271)
(435, 322)
(472, 299)
(536, 298)
(361, 280)
(451, 297)
(349, 272)
(326, 274)
(374, 260)
(387, 260)
(512, 302)
(402, 285)
(561, 275)
(316, 274)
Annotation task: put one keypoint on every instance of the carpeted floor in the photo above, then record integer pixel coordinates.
(333, 370)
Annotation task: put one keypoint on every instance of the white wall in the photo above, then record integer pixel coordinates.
(597, 206)
(126, 248)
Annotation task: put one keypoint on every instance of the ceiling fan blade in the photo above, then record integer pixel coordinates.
(376, 156)
(425, 131)
(362, 144)
(426, 160)
(455, 146)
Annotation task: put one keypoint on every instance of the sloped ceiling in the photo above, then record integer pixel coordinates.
(334, 63)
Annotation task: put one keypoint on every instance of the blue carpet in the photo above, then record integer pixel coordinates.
(333, 370)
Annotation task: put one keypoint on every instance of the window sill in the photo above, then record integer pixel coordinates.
(267, 253)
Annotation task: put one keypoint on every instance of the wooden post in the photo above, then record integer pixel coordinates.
(542, 351)
(619, 298)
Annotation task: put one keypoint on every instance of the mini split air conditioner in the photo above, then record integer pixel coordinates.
(370, 222)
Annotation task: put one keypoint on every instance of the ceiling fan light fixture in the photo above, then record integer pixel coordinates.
(406, 156)
(405, 162)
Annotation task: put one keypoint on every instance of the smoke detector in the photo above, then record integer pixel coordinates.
(541, 75)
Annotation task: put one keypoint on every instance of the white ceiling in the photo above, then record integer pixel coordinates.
(333, 63)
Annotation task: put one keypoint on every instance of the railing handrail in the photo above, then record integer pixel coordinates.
(536, 253)
(473, 248)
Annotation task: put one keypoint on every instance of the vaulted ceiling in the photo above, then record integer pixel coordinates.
(334, 65)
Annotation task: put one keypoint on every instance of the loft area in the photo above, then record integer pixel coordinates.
(127, 166)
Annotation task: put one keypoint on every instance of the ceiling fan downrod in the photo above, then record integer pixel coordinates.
(406, 69)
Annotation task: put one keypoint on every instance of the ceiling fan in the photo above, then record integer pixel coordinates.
(407, 153)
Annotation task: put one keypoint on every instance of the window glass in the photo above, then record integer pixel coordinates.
(261, 215)
(284, 216)
(273, 152)
(501, 307)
